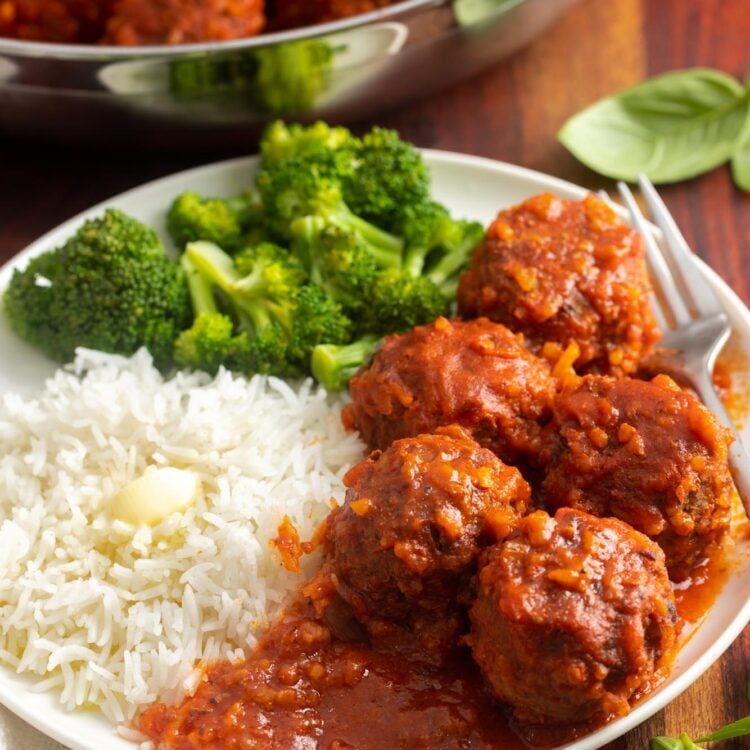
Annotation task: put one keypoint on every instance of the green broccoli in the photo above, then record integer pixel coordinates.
(110, 287)
(281, 78)
(336, 260)
(224, 335)
(292, 75)
(295, 187)
(390, 176)
(224, 221)
(436, 244)
(334, 365)
(210, 342)
(318, 142)
(399, 302)
(277, 319)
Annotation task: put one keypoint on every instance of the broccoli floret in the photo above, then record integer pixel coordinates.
(284, 318)
(110, 287)
(337, 261)
(210, 342)
(333, 366)
(224, 221)
(230, 75)
(269, 269)
(292, 75)
(316, 318)
(399, 302)
(437, 245)
(281, 78)
(389, 177)
(281, 141)
(295, 187)
(268, 353)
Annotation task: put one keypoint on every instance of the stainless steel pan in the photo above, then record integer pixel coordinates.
(223, 93)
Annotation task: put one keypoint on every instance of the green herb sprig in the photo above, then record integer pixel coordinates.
(738, 728)
(671, 127)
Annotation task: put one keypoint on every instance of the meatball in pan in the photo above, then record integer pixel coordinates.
(647, 452)
(574, 617)
(563, 271)
(291, 14)
(473, 373)
(404, 546)
(134, 22)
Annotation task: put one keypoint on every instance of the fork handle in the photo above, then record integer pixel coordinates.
(739, 460)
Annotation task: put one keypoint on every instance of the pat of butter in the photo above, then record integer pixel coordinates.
(154, 496)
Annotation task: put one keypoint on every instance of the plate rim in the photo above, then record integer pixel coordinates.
(499, 169)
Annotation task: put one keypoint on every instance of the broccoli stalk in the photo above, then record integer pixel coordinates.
(458, 247)
(210, 342)
(437, 242)
(333, 366)
(278, 317)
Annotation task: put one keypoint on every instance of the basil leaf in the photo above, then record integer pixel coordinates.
(687, 743)
(735, 729)
(671, 127)
(666, 743)
(741, 165)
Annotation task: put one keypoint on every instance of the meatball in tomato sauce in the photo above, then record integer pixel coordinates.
(404, 546)
(474, 373)
(134, 22)
(574, 616)
(289, 14)
(53, 20)
(561, 272)
(647, 452)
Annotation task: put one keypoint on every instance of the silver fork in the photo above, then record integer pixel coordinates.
(700, 326)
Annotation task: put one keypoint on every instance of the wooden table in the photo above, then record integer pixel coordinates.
(511, 112)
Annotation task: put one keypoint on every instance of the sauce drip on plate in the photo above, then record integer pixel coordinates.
(314, 683)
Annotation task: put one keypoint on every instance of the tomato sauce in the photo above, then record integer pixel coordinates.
(314, 683)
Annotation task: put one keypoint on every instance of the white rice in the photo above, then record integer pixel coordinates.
(116, 619)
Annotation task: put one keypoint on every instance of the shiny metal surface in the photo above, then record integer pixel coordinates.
(223, 93)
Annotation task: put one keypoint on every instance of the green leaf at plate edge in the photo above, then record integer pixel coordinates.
(687, 743)
(666, 743)
(671, 127)
(737, 728)
(741, 164)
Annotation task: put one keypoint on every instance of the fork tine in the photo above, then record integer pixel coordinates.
(659, 268)
(656, 304)
(658, 312)
(701, 295)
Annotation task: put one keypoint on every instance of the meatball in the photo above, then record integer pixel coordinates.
(474, 373)
(574, 616)
(182, 21)
(53, 20)
(647, 452)
(289, 14)
(561, 272)
(404, 546)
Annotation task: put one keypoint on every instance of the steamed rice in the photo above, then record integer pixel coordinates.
(118, 619)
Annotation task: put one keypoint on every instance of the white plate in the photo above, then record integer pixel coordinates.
(471, 187)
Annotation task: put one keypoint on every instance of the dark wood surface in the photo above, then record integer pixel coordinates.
(511, 112)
